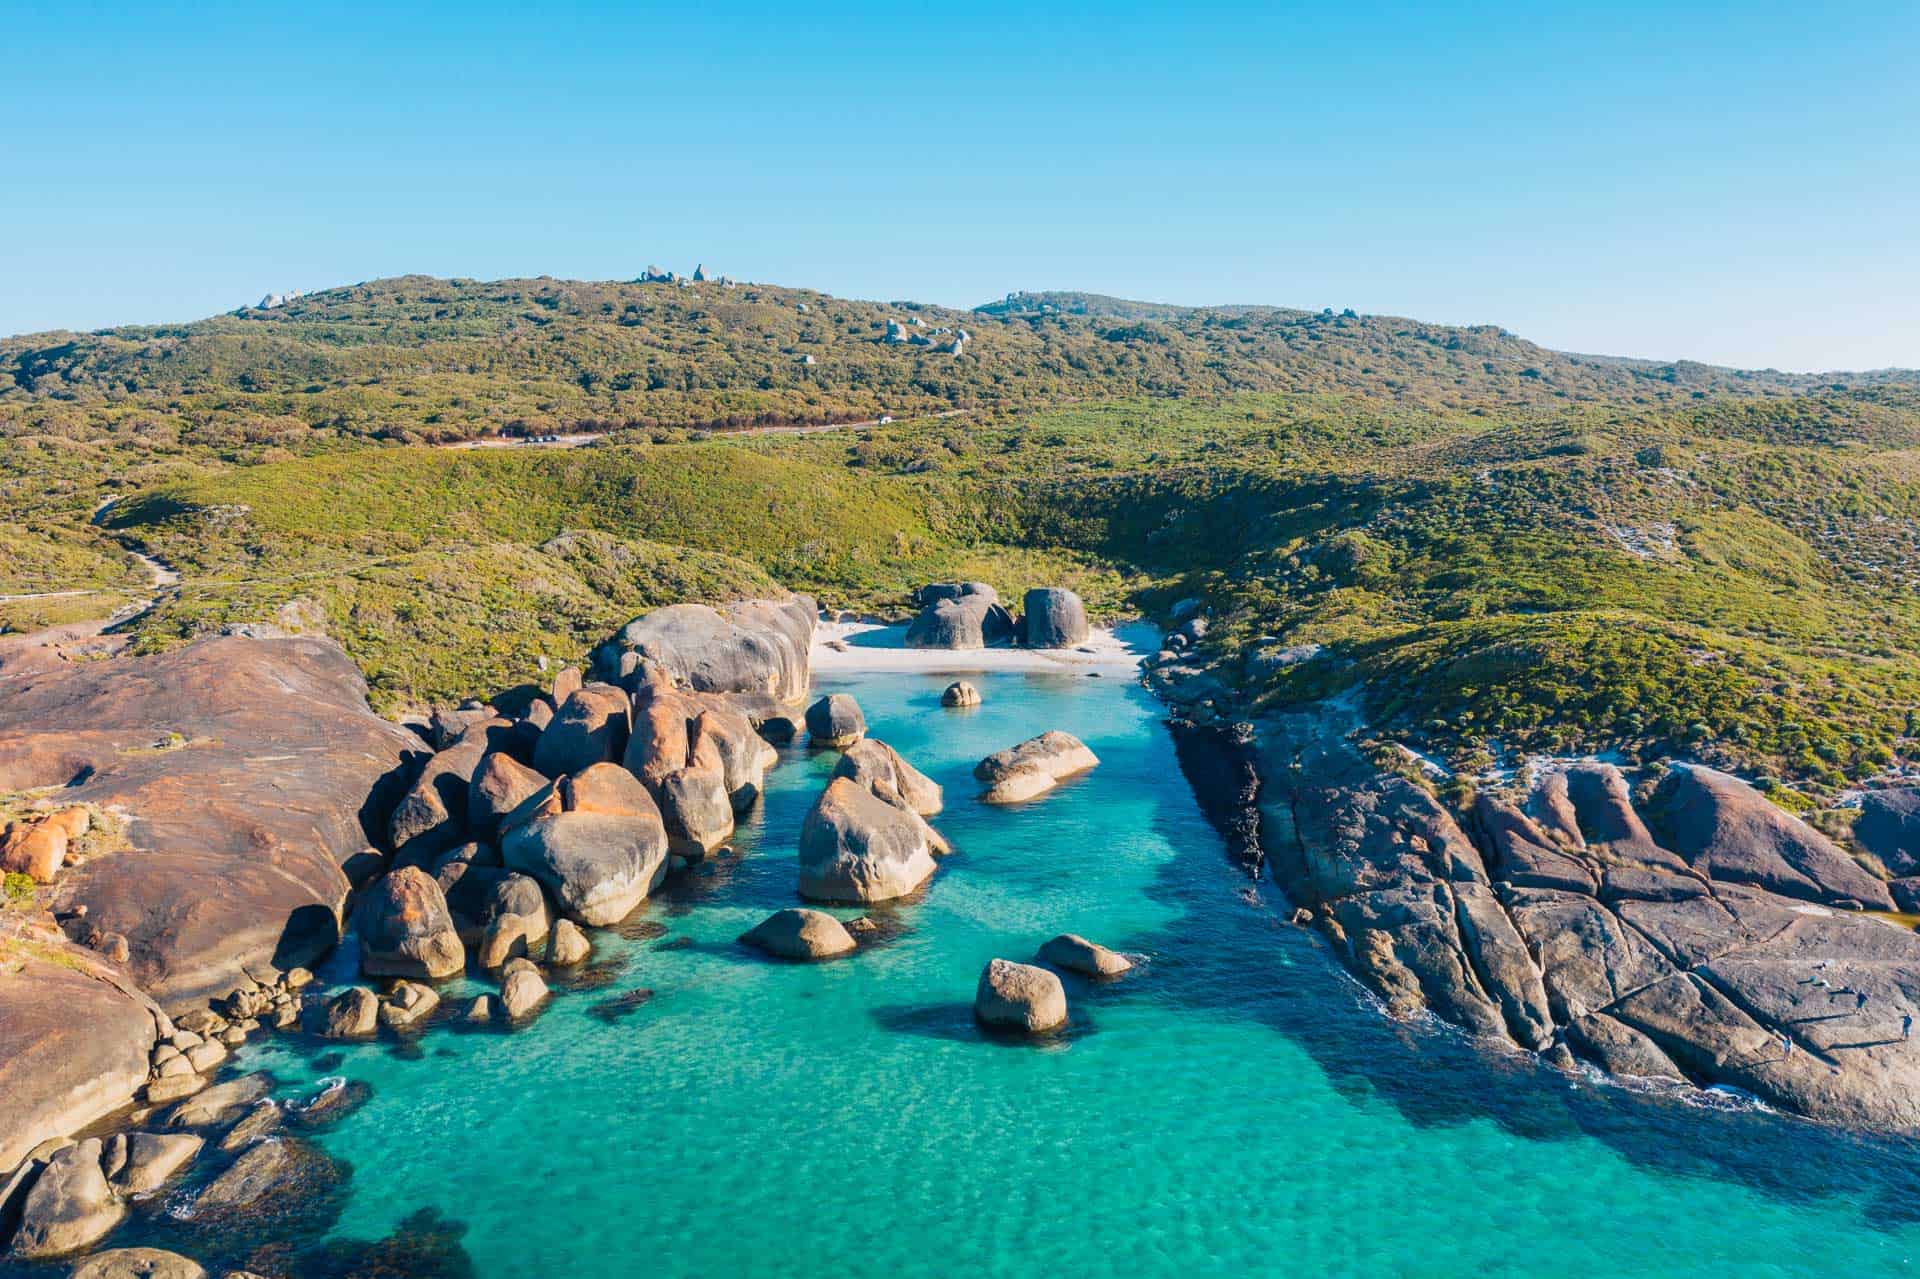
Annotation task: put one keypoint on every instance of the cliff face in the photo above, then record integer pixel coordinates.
(1712, 938)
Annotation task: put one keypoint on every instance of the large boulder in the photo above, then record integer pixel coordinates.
(855, 847)
(352, 1014)
(598, 844)
(70, 1205)
(753, 646)
(78, 1038)
(970, 621)
(1020, 997)
(522, 992)
(1054, 618)
(1889, 828)
(250, 772)
(835, 721)
(589, 728)
(432, 816)
(222, 1104)
(1033, 767)
(1732, 833)
(406, 929)
(880, 768)
(800, 934)
(500, 785)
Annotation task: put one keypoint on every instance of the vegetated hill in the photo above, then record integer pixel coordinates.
(417, 358)
(1496, 548)
(1657, 584)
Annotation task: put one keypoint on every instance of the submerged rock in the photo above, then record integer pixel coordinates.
(1076, 954)
(1020, 997)
(855, 847)
(1033, 767)
(801, 934)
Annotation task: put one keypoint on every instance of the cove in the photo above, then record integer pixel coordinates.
(1234, 1106)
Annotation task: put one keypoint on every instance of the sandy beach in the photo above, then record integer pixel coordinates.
(841, 647)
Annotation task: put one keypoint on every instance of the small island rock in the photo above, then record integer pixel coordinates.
(1033, 767)
(1020, 997)
(960, 693)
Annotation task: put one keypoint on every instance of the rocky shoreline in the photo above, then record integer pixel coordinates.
(229, 812)
(260, 814)
(1673, 925)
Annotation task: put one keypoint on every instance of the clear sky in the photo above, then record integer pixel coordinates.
(1736, 183)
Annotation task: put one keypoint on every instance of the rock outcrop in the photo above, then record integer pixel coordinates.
(1714, 939)
(1054, 617)
(855, 847)
(139, 1263)
(754, 646)
(880, 768)
(1020, 997)
(250, 771)
(800, 934)
(960, 615)
(1889, 828)
(1033, 767)
(69, 1206)
(78, 1039)
(589, 728)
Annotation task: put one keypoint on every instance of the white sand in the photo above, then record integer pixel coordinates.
(867, 647)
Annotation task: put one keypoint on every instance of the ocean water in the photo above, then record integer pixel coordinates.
(1234, 1106)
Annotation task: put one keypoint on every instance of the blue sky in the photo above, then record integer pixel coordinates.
(1736, 183)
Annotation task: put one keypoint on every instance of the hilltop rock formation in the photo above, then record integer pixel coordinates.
(1054, 617)
(1714, 938)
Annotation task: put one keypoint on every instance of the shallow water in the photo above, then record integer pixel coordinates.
(1233, 1106)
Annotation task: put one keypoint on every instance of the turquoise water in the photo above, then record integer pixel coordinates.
(1232, 1107)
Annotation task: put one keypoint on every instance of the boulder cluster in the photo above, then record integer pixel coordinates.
(1030, 998)
(969, 615)
(40, 844)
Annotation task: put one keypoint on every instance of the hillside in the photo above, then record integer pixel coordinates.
(1496, 547)
(421, 359)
